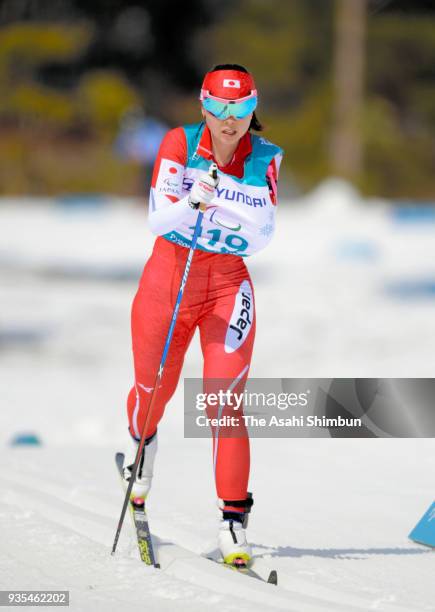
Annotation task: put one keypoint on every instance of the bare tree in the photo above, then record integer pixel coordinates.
(349, 64)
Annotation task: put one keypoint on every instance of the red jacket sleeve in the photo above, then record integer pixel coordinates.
(168, 207)
(173, 148)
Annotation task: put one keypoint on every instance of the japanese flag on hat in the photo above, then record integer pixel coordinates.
(229, 84)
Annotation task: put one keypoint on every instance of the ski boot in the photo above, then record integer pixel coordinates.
(232, 537)
(144, 475)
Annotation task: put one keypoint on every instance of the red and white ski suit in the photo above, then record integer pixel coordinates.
(218, 299)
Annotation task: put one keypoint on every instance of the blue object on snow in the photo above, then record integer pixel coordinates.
(414, 213)
(357, 250)
(14, 336)
(82, 201)
(424, 531)
(411, 288)
(26, 439)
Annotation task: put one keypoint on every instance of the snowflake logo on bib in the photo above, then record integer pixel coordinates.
(266, 230)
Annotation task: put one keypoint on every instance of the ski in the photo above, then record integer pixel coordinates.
(140, 521)
(144, 542)
(248, 571)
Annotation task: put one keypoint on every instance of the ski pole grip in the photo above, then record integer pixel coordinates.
(213, 171)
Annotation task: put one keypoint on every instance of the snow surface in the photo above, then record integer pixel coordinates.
(331, 515)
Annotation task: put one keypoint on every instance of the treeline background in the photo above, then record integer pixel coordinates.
(347, 87)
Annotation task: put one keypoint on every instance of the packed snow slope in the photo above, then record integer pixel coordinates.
(346, 289)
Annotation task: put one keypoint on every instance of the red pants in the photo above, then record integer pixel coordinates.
(218, 299)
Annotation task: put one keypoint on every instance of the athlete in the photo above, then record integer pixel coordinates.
(239, 218)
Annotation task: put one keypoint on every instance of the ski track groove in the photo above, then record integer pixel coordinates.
(48, 496)
(162, 583)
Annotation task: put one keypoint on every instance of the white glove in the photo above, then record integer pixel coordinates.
(202, 191)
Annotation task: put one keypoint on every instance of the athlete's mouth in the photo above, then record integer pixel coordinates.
(229, 132)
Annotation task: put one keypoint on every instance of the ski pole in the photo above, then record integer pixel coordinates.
(198, 227)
